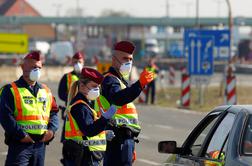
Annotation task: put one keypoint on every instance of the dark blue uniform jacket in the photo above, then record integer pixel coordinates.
(85, 119)
(62, 90)
(111, 89)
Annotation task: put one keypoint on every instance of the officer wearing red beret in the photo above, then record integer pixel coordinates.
(85, 139)
(28, 114)
(116, 91)
(68, 78)
(65, 84)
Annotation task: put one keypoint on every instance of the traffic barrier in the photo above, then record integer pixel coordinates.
(185, 94)
(142, 96)
(230, 91)
(171, 75)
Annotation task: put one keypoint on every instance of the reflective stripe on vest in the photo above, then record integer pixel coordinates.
(72, 131)
(126, 114)
(71, 78)
(32, 113)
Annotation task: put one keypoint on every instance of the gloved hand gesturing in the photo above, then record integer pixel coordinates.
(109, 113)
(110, 135)
(146, 77)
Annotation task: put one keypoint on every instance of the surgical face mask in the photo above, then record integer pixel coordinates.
(77, 67)
(125, 69)
(93, 93)
(35, 74)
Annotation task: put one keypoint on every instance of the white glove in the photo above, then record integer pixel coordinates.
(110, 135)
(109, 113)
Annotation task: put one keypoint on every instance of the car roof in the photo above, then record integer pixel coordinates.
(233, 108)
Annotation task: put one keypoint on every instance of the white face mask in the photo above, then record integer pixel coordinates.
(35, 74)
(125, 69)
(77, 67)
(93, 93)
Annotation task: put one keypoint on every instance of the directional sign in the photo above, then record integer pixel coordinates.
(13, 43)
(221, 43)
(200, 55)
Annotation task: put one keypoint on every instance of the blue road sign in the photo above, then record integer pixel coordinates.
(221, 46)
(200, 55)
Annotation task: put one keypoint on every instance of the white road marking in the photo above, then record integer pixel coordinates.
(141, 136)
(148, 162)
(163, 126)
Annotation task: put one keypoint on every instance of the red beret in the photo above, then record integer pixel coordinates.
(125, 46)
(36, 55)
(92, 74)
(78, 55)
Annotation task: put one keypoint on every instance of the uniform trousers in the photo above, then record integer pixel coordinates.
(119, 153)
(25, 154)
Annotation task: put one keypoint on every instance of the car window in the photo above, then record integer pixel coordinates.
(219, 139)
(196, 146)
(247, 141)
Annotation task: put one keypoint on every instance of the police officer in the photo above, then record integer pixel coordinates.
(28, 114)
(65, 85)
(69, 78)
(152, 85)
(115, 90)
(85, 139)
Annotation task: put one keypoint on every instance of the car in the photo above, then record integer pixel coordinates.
(222, 138)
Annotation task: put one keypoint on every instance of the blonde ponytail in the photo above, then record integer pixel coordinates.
(72, 93)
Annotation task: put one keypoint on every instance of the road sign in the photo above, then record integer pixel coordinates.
(200, 55)
(13, 43)
(221, 40)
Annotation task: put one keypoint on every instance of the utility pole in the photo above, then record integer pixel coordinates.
(230, 25)
(167, 8)
(197, 14)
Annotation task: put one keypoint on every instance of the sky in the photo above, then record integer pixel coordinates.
(145, 8)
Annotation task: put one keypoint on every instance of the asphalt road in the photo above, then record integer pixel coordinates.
(158, 123)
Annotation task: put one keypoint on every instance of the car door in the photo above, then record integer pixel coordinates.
(193, 144)
(214, 148)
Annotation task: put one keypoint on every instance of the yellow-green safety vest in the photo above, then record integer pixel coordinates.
(32, 113)
(72, 132)
(125, 115)
(152, 69)
(71, 78)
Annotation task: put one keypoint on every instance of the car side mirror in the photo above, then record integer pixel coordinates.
(167, 147)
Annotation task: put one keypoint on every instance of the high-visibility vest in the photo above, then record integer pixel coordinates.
(152, 69)
(32, 113)
(71, 78)
(125, 115)
(72, 132)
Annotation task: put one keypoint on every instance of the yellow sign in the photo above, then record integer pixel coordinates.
(13, 43)
(103, 67)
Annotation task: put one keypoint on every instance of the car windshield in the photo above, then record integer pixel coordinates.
(247, 141)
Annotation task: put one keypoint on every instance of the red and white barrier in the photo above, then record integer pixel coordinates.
(142, 96)
(171, 75)
(185, 94)
(230, 91)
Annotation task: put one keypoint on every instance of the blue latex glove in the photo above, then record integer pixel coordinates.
(110, 135)
(109, 113)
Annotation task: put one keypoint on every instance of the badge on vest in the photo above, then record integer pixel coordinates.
(28, 101)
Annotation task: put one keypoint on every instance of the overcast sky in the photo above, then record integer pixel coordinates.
(145, 8)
